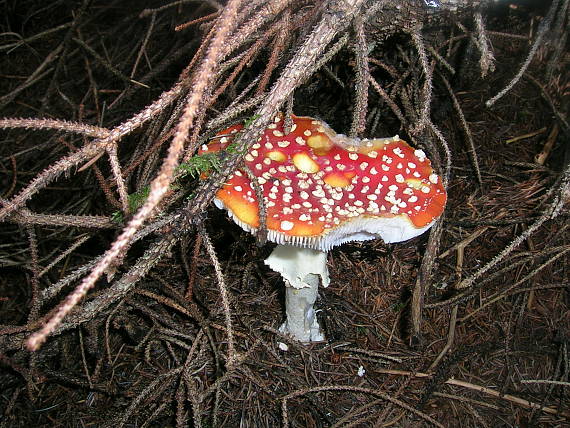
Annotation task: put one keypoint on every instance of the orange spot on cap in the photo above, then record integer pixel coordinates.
(276, 155)
(414, 183)
(336, 179)
(304, 163)
(320, 143)
(349, 174)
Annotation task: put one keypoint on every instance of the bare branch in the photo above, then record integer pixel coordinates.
(542, 30)
(60, 125)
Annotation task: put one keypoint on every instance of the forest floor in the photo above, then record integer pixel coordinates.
(495, 354)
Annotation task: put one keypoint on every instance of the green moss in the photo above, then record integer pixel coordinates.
(135, 201)
(249, 121)
(195, 166)
(199, 164)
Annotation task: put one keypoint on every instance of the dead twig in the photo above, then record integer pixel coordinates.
(493, 393)
(351, 388)
(472, 150)
(160, 184)
(232, 355)
(362, 79)
(542, 30)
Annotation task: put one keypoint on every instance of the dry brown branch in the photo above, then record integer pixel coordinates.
(362, 79)
(34, 78)
(27, 41)
(551, 212)
(332, 51)
(155, 387)
(244, 60)
(105, 187)
(119, 179)
(34, 304)
(160, 184)
(67, 280)
(497, 394)
(280, 41)
(350, 388)
(268, 11)
(542, 30)
(148, 152)
(450, 339)
(305, 62)
(464, 242)
(504, 293)
(99, 175)
(60, 125)
(395, 109)
(486, 61)
(344, 421)
(120, 287)
(424, 114)
(64, 254)
(176, 3)
(27, 217)
(447, 152)
(118, 290)
(232, 355)
(559, 115)
(78, 16)
(288, 120)
(262, 229)
(191, 270)
(559, 33)
(92, 149)
(441, 60)
(143, 46)
(547, 381)
(234, 111)
(106, 64)
(515, 264)
(423, 280)
(466, 399)
(205, 18)
(466, 129)
(371, 353)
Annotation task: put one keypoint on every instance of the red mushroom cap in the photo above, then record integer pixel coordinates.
(322, 189)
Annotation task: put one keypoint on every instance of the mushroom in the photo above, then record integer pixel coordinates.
(321, 189)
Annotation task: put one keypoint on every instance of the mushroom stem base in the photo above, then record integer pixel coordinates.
(302, 321)
(302, 269)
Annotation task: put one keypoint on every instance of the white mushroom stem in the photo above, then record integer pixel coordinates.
(302, 270)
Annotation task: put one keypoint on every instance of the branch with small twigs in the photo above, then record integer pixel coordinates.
(160, 184)
(485, 390)
(382, 395)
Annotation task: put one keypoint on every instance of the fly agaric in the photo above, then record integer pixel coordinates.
(321, 189)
